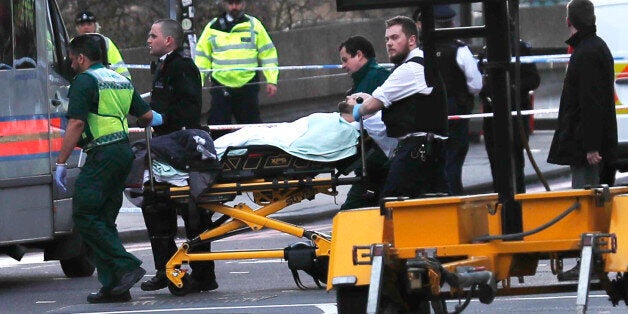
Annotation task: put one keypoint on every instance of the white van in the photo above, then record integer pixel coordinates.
(612, 27)
(34, 75)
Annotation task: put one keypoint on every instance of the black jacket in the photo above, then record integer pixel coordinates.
(176, 93)
(530, 80)
(453, 77)
(586, 117)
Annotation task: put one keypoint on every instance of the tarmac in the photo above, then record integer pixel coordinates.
(476, 178)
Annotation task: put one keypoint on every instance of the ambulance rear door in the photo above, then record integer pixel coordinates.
(32, 105)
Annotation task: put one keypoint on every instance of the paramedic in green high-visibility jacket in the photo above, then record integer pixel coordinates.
(99, 101)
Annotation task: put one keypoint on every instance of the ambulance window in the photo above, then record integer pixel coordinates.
(25, 49)
(50, 46)
(6, 29)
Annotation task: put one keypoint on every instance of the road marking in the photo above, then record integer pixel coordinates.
(322, 306)
(328, 308)
(29, 259)
(256, 261)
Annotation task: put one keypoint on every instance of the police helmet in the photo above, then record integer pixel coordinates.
(84, 17)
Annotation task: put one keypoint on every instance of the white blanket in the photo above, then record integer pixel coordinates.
(321, 137)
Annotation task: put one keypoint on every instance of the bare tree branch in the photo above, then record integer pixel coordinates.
(127, 22)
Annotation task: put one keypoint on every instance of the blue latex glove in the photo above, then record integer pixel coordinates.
(60, 175)
(356, 112)
(157, 119)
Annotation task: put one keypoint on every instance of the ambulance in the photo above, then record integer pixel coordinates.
(612, 27)
(34, 82)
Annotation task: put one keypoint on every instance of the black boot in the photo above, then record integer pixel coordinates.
(199, 285)
(203, 276)
(105, 296)
(158, 282)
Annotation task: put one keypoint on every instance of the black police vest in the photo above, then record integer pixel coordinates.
(453, 77)
(418, 112)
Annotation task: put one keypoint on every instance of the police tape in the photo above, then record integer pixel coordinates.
(555, 58)
(452, 117)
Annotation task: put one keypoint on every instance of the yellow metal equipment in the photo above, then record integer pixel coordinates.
(411, 248)
(272, 196)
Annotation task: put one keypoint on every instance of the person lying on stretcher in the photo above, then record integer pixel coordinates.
(323, 137)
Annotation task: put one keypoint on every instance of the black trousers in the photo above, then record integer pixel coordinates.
(456, 152)
(160, 217)
(241, 103)
(517, 150)
(417, 168)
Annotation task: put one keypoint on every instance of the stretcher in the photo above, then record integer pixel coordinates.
(276, 180)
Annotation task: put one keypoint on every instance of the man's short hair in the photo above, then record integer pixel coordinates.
(173, 29)
(89, 45)
(408, 26)
(581, 13)
(354, 44)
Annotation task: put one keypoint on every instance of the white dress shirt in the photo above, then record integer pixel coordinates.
(406, 80)
(469, 67)
(376, 129)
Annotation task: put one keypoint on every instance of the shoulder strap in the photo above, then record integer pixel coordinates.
(418, 60)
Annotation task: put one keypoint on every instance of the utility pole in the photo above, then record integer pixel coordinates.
(184, 14)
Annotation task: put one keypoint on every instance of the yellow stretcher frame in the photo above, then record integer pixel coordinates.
(447, 228)
(273, 196)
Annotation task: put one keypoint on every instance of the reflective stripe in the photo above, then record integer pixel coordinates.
(266, 47)
(252, 30)
(235, 62)
(269, 61)
(201, 54)
(224, 48)
(124, 72)
(107, 139)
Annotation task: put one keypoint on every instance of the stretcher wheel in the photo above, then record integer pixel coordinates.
(187, 286)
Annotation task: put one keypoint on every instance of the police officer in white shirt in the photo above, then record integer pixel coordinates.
(414, 111)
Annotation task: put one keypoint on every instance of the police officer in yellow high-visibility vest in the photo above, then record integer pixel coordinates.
(236, 40)
(99, 101)
(86, 23)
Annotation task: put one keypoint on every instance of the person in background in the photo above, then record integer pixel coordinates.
(357, 57)
(586, 136)
(176, 96)
(530, 80)
(608, 171)
(236, 40)
(463, 80)
(416, 17)
(99, 101)
(85, 24)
